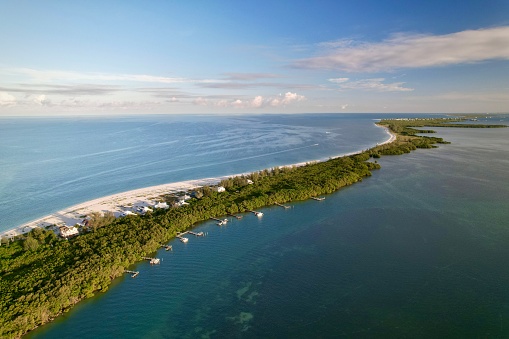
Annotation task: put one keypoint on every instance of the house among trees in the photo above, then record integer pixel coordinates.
(126, 213)
(143, 209)
(67, 231)
(182, 200)
(163, 205)
(220, 189)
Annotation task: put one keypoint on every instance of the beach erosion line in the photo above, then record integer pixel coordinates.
(116, 203)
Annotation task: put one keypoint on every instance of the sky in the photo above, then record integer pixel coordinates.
(235, 57)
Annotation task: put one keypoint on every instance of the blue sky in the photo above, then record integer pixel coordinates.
(233, 57)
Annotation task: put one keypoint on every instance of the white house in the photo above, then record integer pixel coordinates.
(220, 189)
(184, 198)
(161, 205)
(126, 213)
(68, 231)
(181, 202)
(143, 209)
(249, 181)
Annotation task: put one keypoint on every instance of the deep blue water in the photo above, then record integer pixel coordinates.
(418, 250)
(48, 164)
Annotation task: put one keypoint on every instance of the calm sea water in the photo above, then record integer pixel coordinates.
(418, 250)
(49, 164)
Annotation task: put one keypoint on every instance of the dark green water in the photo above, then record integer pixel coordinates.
(418, 250)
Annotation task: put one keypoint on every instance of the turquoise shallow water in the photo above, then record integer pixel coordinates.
(417, 250)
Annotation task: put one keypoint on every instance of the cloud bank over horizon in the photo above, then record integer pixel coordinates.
(414, 51)
(183, 59)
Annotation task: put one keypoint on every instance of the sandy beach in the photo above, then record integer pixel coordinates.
(120, 202)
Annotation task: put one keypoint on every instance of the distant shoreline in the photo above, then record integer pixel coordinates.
(145, 196)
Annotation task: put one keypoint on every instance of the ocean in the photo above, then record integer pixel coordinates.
(48, 164)
(417, 250)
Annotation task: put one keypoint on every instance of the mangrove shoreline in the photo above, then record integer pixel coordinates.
(42, 276)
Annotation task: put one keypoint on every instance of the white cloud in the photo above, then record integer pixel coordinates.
(238, 103)
(286, 99)
(57, 75)
(345, 106)
(257, 102)
(6, 99)
(415, 51)
(338, 80)
(222, 103)
(375, 84)
(201, 101)
(42, 100)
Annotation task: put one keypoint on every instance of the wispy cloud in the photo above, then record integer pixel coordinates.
(250, 85)
(250, 76)
(376, 84)
(57, 75)
(339, 80)
(42, 100)
(414, 51)
(251, 80)
(80, 89)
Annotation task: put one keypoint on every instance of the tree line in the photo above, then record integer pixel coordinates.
(42, 276)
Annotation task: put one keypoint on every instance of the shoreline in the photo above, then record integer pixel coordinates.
(145, 196)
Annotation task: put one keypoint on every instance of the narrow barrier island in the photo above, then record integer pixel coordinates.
(42, 276)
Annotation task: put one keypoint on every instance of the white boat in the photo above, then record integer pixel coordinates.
(184, 240)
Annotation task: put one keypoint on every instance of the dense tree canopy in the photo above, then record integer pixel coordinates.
(42, 276)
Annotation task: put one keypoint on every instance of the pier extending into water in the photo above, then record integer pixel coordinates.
(284, 206)
(132, 273)
(238, 217)
(167, 247)
(317, 198)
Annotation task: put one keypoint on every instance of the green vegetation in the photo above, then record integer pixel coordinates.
(42, 276)
(408, 138)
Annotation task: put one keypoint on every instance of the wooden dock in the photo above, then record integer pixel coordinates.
(238, 217)
(153, 261)
(132, 273)
(317, 198)
(199, 234)
(284, 206)
(167, 247)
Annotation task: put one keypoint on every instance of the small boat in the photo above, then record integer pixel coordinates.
(184, 240)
